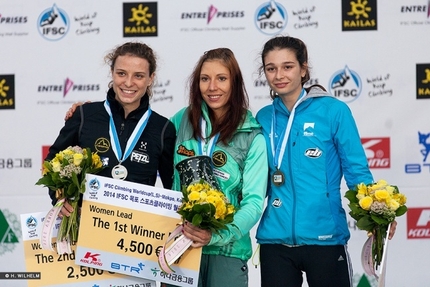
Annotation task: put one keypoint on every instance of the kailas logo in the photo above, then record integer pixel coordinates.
(53, 23)
(91, 258)
(418, 223)
(308, 129)
(377, 152)
(10, 231)
(423, 139)
(423, 81)
(345, 85)
(359, 15)
(140, 19)
(313, 152)
(271, 18)
(139, 157)
(7, 92)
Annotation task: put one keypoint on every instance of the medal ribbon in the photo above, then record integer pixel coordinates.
(168, 256)
(116, 147)
(212, 141)
(278, 153)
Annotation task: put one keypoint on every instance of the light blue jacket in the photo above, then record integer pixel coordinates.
(249, 180)
(324, 145)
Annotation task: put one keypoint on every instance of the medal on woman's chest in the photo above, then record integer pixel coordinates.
(119, 172)
(278, 178)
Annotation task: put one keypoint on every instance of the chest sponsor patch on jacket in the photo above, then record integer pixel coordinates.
(313, 152)
(219, 158)
(102, 145)
(139, 157)
(184, 151)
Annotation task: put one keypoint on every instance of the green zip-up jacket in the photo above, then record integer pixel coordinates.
(241, 169)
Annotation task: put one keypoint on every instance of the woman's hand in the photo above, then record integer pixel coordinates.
(66, 209)
(72, 109)
(200, 237)
(392, 229)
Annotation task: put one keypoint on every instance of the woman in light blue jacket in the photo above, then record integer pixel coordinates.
(312, 142)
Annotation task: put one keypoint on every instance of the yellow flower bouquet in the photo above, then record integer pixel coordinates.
(205, 207)
(65, 174)
(375, 206)
(203, 204)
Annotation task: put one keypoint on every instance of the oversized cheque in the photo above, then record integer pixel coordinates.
(123, 227)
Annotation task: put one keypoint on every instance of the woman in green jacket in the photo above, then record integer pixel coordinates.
(218, 124)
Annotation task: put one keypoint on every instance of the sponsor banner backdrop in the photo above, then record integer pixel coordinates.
(373, 55)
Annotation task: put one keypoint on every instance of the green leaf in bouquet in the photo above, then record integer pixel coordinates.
(365, 223)
(89, 159)
(355, 208)
(351, 195)
(71, 191)
(184, 194)
(75, 179)
(47, 181)
(401, 210)
(197, 219)
(201, 208)
(354, 215)
(379, 220)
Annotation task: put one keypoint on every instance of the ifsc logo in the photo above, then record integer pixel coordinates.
(345, 85)
(271, 18)
(53, 23)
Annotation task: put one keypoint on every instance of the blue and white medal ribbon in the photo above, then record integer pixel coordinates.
(203, 149)
(278, 147)
(119, 171)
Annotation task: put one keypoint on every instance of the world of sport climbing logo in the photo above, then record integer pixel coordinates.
(345, 85)
(53, 23)
(10, 231)
(271, 18)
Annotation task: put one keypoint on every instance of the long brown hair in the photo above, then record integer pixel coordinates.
(237, 105)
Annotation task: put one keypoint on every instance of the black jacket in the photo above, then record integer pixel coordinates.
(153, 151)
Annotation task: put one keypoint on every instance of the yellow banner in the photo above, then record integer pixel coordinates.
(123, 227)
(61, 270)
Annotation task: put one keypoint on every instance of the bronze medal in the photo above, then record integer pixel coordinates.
(278, 178)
